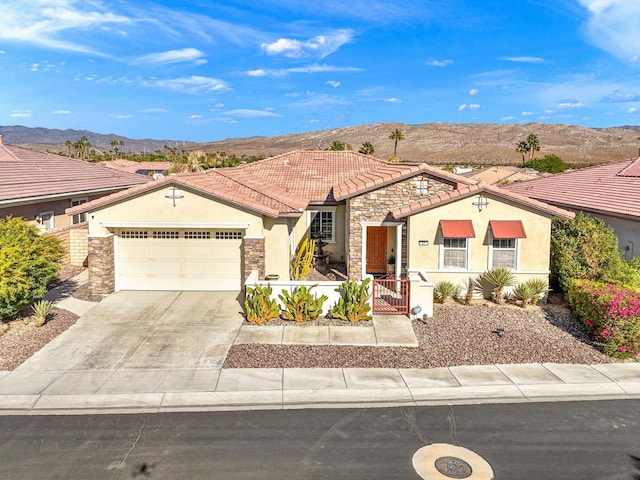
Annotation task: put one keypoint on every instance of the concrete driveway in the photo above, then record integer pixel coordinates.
(134, 340)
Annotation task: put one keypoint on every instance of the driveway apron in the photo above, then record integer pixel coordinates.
(137, 341)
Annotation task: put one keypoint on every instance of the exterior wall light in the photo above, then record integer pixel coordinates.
(481, 202)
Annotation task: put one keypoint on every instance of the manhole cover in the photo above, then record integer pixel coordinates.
(453, 467)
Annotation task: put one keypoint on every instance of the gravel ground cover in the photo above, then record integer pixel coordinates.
(456, 335)
(21, 338)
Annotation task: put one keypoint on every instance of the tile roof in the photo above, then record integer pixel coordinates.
(613, 188)
(133, 167)
(26, 174)
(496, 174)
(427, 203)
(253, 194)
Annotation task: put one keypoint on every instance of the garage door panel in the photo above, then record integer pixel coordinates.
(179, 263)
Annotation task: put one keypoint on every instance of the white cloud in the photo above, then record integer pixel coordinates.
(318, 46)
(523, 59)
(528, 114)
(193, 117)
(20, 113)
(393, 100)
(2, 52)
(474, 91)
(507, 118)
(192, 84)
(333, 83)
(61, 112)
(34, 67)
(569, 103)
(471, 106)
(125, 116)
(613, 27)
(249, 113)
(619, 96)
(632, 110)
(174, 56)
(155, 110)
(439, 63)
(313, 68)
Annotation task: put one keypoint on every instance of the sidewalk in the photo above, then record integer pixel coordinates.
(111, 391)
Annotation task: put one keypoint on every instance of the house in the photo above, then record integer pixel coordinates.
(502, 174)
(39, 187)
(610, 192)
(213, 230)
(143, 168)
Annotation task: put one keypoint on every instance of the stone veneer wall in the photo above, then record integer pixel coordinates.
(102, 278)
(375, 206)
(253, 256)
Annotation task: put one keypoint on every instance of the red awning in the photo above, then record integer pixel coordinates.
(507, 229)
(457, 229)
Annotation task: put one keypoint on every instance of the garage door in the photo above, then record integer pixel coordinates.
(179, 260)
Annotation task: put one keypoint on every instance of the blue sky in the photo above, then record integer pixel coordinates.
(208, 70)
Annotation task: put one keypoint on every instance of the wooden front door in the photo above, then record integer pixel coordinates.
(376, 250)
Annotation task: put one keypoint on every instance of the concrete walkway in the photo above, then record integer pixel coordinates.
(163, 351)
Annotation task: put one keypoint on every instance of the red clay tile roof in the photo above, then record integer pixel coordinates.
(252, 194)
(133, 167)
(26, 174)
(427, 203)
(610, 189)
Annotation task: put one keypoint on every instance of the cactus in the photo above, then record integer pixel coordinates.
(353, 305)
(259, 306)
(301, 305)
(302, 262)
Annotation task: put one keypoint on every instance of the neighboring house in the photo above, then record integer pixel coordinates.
(39, 187)
(143, 168)
(502, 175)
(610, 192)
(213, 230)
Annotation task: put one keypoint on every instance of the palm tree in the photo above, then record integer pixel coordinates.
(534, 145)
(396, 136)
(69, 144)
(366, 148)
(522, 147)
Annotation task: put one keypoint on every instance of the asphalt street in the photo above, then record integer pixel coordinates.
(564, 440)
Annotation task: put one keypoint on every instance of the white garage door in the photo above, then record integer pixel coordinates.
(179, 259)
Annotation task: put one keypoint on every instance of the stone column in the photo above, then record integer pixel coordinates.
(102, 278)
(253, 256)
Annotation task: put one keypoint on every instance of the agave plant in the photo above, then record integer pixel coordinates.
(499, 278)
(529, 292)
(444, 290)
(42, 309)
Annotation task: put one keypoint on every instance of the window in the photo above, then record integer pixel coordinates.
(134, 234)
(422, 186)
(322, 225)
(197, 235)
(165, 235)
(47, 220)
(504, 253)
(78, 217)
(228, 235)
(454, 253)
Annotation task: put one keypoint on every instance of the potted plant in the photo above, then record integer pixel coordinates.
(391, 264)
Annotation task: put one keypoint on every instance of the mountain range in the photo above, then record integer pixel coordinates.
(436, 143)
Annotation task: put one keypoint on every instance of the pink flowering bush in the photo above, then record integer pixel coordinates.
(611, 315)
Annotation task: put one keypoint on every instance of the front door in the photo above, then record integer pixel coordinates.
(376, 249)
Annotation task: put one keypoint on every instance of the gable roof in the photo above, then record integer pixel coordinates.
(251, 193)
(427, 203)
(613, 188)
(27, 175)
(502, 174)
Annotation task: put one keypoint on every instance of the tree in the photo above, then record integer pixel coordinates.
(396, 136)
(366, 148)
(534, 145)
(115, 144)
(548, 163)
(69, 144)
(522, 147)
(82, 147)
(28, 261)
(339, 146)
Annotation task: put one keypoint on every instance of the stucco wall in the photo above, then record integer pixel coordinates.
(533, 250)
(628, 233)
(277, 247)
(337, 248)
(155, 207)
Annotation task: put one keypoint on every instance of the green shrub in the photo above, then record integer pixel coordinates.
(610, 314)
(530, 291)
(301, 305)
(586, 248)
(302, 262)
(28, 261)
(444, 290)
(548, 163)
(499, 278)
(42, 309)
(353, 304)
(259, 306)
